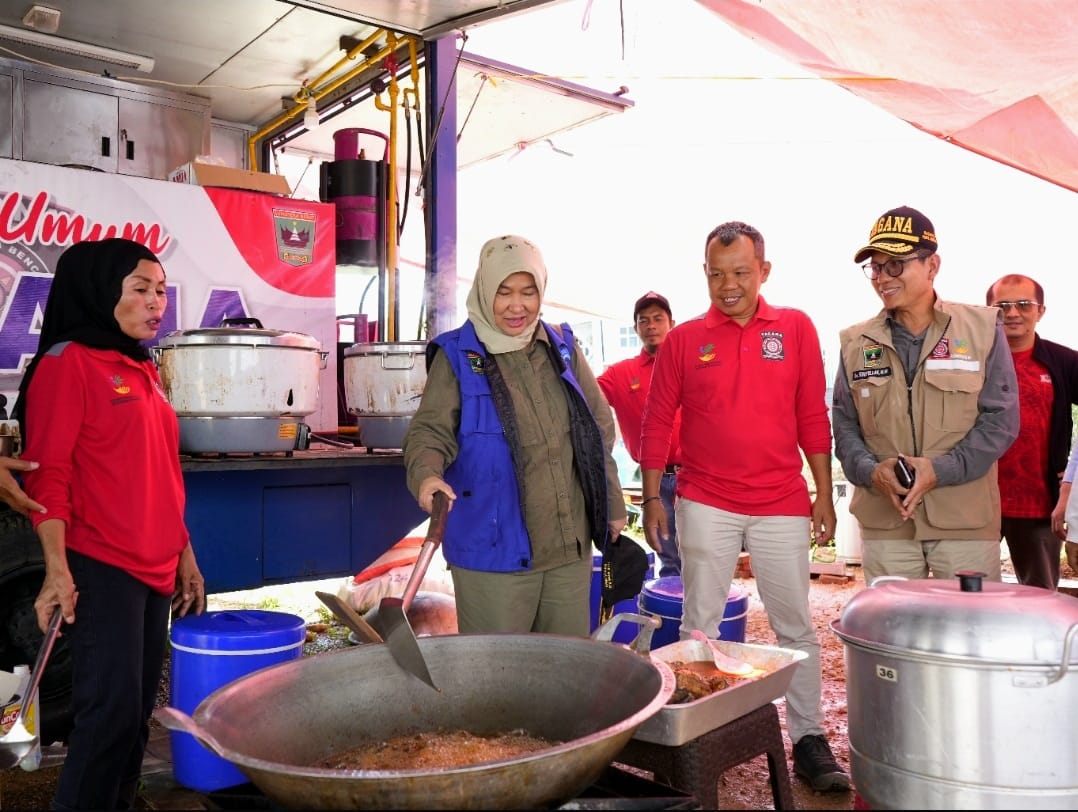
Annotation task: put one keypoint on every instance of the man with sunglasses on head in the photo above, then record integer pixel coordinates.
(1030, 471)
(926, 384)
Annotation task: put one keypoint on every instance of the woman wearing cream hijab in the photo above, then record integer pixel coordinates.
(513, 428)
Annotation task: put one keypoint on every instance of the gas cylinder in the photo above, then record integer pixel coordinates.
(357, 187)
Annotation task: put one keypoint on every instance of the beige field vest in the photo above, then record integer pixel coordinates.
(927, 418)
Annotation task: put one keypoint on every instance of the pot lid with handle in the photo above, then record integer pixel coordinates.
(239, 332)
(965, 617)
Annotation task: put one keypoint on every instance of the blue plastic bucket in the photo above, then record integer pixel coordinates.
(625, 632)
(209, 651)
(664, 598)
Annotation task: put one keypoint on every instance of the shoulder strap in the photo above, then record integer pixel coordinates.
(566, 332)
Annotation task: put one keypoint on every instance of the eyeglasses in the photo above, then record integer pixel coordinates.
(892, 267)
(1022, 305)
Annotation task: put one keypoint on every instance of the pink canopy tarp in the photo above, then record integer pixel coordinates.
(997, 77)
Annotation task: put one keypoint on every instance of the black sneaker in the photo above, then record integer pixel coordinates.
(814, 762)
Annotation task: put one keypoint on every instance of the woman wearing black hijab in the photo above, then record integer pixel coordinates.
(118, 556)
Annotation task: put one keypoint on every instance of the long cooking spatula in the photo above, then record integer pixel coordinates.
(16, 744)
(392, 618)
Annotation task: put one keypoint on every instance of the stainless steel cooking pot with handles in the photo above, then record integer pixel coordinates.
(383, 385)
(962, 694)
(240, 369)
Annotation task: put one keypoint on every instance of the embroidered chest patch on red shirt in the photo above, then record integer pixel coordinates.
(771, 345)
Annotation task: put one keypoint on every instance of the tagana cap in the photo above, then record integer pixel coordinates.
(651, 298)
(625, 567)
(899, 232)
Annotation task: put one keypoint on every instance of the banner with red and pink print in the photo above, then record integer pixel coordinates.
(226, 253)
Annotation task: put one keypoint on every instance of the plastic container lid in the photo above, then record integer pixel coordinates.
(247, 630)
(665, 596)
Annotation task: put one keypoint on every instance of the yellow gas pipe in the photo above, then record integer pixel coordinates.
(413, 74)
(413, 94)
(391, 197)
(311, 92)
(306, 96)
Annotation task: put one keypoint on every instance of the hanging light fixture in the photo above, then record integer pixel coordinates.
(310, 116)
(42, 18)
(75, 48)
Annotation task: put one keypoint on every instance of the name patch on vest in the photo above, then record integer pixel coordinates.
(877, 372)
(953, 363)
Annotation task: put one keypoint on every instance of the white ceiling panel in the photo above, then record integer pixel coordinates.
(250, 57)
(427, 19)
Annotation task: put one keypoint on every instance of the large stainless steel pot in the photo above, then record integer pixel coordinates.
(961, 695)
(240, 371)
(587, 694)
(240, 388)
(383, 384)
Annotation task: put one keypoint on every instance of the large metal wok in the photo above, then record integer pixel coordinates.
(588, 694)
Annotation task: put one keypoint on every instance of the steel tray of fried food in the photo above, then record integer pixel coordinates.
(675, 725)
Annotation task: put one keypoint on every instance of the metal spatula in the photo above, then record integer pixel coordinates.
(392, 613)
(16, 744)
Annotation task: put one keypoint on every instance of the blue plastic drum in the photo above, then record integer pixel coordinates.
(665, 597)
(209, 651)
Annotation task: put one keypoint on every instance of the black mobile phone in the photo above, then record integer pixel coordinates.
(905, 473)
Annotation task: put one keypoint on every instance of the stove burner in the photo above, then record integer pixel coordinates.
(617, 788)
(229, 455)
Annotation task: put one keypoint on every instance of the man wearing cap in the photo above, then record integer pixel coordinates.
(626, 385)
(930, 383)
(747, 380)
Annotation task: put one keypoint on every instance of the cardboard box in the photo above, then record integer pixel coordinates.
(202, 174)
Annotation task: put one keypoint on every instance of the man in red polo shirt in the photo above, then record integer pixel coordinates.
(626, 385)
(1030, 470)
(747, 378)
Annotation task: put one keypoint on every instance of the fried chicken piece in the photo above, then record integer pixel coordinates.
(692, 684)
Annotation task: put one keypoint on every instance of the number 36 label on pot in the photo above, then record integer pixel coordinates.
(886, 672)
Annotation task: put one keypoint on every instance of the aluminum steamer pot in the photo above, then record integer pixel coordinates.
(589, 695)
(383, 384)
(240, 371)
(240, 388)
(961, 694)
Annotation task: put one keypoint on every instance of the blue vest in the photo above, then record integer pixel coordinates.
(485, 530)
